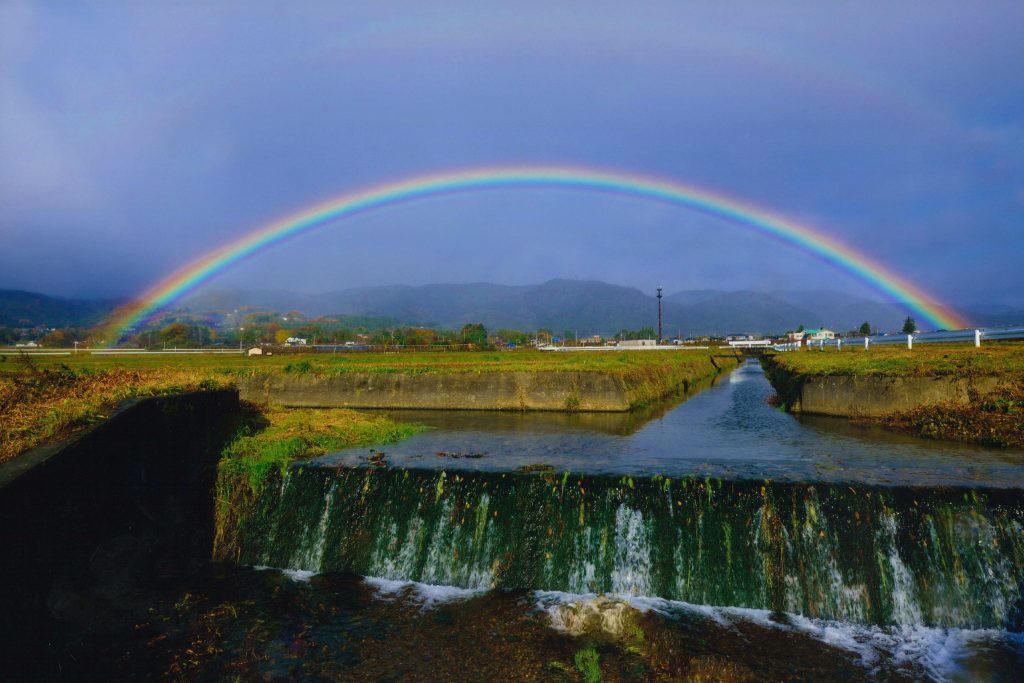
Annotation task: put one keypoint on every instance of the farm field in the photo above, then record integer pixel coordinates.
(1002, 358)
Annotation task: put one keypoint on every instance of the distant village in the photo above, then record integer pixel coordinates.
(263, 332)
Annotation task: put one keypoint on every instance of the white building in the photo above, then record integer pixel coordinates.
(819, 335)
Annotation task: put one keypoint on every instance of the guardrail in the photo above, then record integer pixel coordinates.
(975, 336)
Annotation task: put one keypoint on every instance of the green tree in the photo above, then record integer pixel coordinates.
(865, 328)
(909, 326)
(517, 337)
(800, 329)
(474, 334)
(57, 338)
(176, 335)
(643, 333)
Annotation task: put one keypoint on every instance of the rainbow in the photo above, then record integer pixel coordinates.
(803, 237)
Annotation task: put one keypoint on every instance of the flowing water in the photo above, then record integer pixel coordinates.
(727, 431)
(716, 516)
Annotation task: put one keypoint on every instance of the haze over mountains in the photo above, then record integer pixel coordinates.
(586, 307)
(583, 307)
(19, 308)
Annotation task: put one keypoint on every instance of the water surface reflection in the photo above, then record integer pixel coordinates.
(728, 430)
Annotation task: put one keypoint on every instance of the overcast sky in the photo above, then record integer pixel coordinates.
(137, 136)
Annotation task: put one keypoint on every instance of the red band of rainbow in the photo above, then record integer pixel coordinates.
(805, 238)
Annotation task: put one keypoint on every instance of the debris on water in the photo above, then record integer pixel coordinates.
(459, 454)
(376, 457)
(536, 467)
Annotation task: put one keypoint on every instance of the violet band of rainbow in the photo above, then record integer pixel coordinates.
(809, 240)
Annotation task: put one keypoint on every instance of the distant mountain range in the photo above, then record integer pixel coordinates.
(583, 307)
(31, 309)
(591, 307)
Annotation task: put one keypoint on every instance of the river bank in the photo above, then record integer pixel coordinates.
(44, 399)
(958, 393)
(608, 382)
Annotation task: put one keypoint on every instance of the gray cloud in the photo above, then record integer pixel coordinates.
(135, 137)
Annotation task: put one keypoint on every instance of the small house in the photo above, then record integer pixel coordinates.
(820, 335)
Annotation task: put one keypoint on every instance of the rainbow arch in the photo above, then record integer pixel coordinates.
(671, 192)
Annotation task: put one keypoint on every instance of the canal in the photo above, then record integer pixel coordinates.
(711, 537)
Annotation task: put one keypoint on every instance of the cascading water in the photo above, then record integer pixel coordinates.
(936, 556)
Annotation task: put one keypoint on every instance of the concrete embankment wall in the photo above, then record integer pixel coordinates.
(124, 504)
(584, 391)
(871, 396)
(548, 390)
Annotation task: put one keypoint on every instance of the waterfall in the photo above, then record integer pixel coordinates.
(869, 554)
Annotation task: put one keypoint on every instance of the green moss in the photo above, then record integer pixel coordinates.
(301, 367)
(270, 440)
(587, 662)
(572, 402)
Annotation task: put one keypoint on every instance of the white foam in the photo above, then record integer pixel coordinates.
(300, 575)
(938, 653)
(426, 594)
(546, 600)
(941, 654)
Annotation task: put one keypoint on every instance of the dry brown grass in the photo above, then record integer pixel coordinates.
(995, 419)
(41, 404)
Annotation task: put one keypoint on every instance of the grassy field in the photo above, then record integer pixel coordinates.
(993, 419)
(409, 363)
(49, 397)
(1006, 359)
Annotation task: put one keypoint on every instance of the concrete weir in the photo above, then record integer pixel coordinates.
(937, 556)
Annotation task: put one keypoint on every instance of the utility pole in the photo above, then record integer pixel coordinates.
(659, 316)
